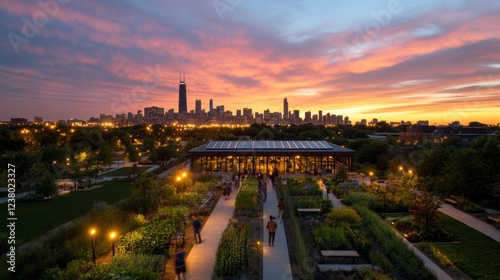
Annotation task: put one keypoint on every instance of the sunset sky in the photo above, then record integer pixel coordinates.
(392, 60)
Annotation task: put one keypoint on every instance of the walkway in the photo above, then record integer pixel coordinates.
(201, 259)
(431, 266)
(276, 262)
(471, 221)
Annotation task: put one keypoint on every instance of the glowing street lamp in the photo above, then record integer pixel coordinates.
(183, 179)
(92, 233)
(112, 236)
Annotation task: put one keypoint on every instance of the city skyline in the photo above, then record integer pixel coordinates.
(391, 60)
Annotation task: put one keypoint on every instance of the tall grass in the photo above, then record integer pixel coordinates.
(302, 254)
(394, 247)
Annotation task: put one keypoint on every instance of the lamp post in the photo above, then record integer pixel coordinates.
(371, 177)
(112, 236)
(183, 178)
(92, 233)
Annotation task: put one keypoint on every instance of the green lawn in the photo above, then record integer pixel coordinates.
(36, 218)
(125, 171)
(476, 254)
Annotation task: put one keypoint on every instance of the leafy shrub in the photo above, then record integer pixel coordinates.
(379, 259)
(343, 215)
(174, 212)
(233, 251)
(472, 208)
(329, 237)
(296, 187)
(127, 266)
(365, 199)
(325, 205)
(152, 238)
(246, 199)
(74, 270)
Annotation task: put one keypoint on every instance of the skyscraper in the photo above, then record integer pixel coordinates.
(285, 109)
(182, 94)
(197, 106)
(211, 105)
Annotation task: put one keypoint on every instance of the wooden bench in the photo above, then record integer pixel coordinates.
(341, 254)
(308, 210)
(457, 199)
(452, 202)
(177, 239)
(493, 220)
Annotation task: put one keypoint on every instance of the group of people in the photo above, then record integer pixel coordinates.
(265, 182)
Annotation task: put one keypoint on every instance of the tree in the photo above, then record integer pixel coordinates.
(311, 135)
(163, 153)
(44, 181)
(148, 144)
(265, 134)
(148, 194)
(341, 174)
(374, 152)
(132, 154)
(425, 215)
(86, 160)
(465, 174)
(105, 155)
(401, 187)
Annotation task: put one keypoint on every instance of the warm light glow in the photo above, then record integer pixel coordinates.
(371, 173)
(92, 231)
(400, 168)
(112, 235)
(184, 174)
(178, 178)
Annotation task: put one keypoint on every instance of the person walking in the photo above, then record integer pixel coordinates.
(264, 191)
(271, 228)
(180, 264)
(196, 228)
(281, 209)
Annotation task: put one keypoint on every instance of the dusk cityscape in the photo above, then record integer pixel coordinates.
(236, 139)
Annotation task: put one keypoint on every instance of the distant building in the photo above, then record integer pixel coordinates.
(421, 134)
(182, 95)
(38, 120)
(197, 107)
(154, 115)
(307, 117)
(18, 121)
(154, 112)
(285, 109)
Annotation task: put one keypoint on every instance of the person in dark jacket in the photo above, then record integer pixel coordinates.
(196, 229)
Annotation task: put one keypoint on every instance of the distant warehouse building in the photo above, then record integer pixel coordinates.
(421, 134)
(288, 156)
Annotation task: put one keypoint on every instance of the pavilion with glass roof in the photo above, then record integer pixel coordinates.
(288, 156)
